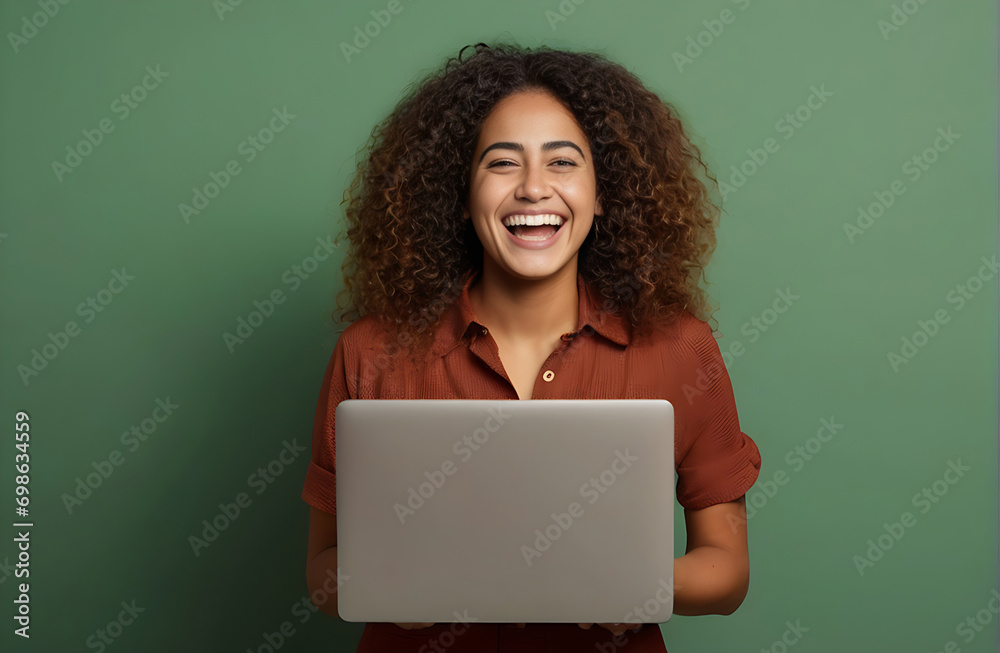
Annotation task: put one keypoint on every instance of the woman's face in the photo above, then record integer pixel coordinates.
(532, 163)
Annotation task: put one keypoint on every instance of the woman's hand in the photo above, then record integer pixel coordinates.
(616, 629)
(415, 625)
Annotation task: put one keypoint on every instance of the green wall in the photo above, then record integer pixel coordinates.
(902, 423)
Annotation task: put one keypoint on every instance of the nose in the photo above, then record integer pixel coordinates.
(534, 185)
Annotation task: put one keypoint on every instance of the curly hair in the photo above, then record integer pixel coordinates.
(410, 250)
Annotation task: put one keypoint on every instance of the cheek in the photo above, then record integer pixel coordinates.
(483, 233)
(582, 198)
(486, 195)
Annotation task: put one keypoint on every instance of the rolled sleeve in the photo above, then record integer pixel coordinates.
(320, 487)
(722, 462)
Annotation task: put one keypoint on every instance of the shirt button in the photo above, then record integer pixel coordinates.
(549, 375)
(484, 331)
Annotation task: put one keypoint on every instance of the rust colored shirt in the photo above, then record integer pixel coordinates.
(715, 461)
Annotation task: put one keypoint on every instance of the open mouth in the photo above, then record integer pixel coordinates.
(534, 227)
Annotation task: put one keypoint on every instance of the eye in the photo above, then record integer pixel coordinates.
(560, 163)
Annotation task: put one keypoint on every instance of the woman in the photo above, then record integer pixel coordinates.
(529, 225)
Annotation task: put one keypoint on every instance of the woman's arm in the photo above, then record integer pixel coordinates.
(321, 564)
(321, 559)
(713, 576)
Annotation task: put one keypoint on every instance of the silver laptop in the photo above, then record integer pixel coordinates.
(505, 511)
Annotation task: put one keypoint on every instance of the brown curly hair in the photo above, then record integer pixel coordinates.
(410, 250)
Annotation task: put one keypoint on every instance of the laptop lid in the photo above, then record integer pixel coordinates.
(539, 511)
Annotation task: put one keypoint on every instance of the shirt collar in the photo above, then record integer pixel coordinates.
(459, 318)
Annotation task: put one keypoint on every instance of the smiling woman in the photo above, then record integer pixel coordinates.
(532, 203)
(547, 195)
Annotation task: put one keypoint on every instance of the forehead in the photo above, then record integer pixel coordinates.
(529, 115)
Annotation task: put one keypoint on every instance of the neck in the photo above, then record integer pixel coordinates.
(522, 309)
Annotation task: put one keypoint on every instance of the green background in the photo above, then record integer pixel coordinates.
(162, 336)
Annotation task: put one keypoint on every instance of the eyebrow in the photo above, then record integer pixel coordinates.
(517, 147)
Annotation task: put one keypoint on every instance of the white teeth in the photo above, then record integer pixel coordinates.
(533, 220)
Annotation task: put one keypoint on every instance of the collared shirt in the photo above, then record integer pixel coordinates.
(602, 359)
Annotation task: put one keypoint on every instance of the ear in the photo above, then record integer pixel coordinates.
(597, 207)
